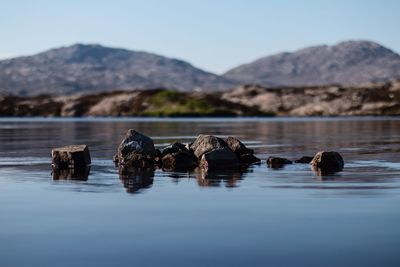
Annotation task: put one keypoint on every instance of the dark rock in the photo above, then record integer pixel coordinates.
(237, 147)
(276, 161)
(220, 158)
(248, 159)
(206, 143)
(179, 161)
(173, 148)
(136, 150)
(70, 157)
(304, 159)
(328, 160)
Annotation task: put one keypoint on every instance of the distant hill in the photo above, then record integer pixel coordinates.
(92, 68)
(347, 63)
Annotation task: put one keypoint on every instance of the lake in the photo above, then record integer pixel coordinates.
(291, 216)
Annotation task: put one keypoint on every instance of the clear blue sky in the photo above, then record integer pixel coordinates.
(211, 34)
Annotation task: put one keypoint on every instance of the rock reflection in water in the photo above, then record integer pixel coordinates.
(135, 179)
(217, 177)
(323, 174)
(80, 174)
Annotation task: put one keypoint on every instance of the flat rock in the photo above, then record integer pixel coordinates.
(70, 157)
(328, 160)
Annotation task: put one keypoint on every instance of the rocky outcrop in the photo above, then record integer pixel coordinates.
(250, 100)
(370, 99)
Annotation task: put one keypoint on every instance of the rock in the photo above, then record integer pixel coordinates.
(176, 157)
(70, 157)
(179, 161)
(276, 161)
(136, 150)
(237, 147)
(304, 159)
(220, 158)
(206, 143)
(328, 160)
(173, 148)
(244, 154)
(248, 159)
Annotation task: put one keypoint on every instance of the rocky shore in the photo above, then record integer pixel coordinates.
(248, 100)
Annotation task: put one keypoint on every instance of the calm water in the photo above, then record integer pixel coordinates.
(259, 217)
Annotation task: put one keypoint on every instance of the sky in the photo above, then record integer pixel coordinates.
(214, 35)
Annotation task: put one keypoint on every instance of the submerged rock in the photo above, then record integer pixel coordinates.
(70, 157)
(248, 159)
(276, 161)
(328, 160)
(304, 159)
(136, 150)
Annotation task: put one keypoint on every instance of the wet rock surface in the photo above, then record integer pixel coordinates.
(220, 158)
(328, 161)
(178, 157)
(70, 157)
(208, 151)
(136, 150)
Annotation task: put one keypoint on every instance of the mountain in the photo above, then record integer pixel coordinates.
(92, 68)
(347, 63)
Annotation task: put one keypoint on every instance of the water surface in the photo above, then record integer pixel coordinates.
(260, 216)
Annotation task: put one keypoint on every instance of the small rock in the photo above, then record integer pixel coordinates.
(304, 159)
(136, 150)
(276, 161)
(179, 161)
(221, 158)
(328, 160)
(173, 148)
(70, 157)
(206, 143)
(237, 147)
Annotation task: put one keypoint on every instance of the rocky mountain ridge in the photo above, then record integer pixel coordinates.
(94, 68)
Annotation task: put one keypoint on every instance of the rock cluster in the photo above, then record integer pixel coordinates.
(323, 161)
(207, 151)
